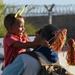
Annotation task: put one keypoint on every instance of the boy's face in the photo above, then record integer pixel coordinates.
(18, 27)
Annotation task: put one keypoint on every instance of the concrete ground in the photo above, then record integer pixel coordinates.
(62, 60)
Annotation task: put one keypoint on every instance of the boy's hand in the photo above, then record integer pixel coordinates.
(41, 42)
(44, 43)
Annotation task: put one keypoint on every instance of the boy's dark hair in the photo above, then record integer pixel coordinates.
(48, 32)
(10, 20)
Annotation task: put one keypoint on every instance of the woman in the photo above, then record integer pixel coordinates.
(27, 65)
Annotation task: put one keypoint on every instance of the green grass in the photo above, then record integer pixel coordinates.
(2, 29)
(29, 28)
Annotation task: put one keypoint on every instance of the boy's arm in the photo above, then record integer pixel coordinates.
(18, 44)
(30, 44)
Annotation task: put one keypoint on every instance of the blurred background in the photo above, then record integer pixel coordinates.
(38, 13)
(60, 13)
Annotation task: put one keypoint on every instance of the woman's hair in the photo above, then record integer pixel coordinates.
(10, 20)
(60, 40)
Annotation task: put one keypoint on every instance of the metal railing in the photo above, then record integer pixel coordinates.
(38, 10)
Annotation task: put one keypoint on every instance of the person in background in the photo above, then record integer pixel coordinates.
(15, 41)
(25, 64)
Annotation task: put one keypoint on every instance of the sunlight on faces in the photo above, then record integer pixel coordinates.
(18, 26)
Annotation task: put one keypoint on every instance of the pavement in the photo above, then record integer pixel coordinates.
(63, 62)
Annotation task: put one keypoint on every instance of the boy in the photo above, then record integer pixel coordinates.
(15, 41)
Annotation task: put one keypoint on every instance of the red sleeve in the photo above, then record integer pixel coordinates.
(11, 39)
